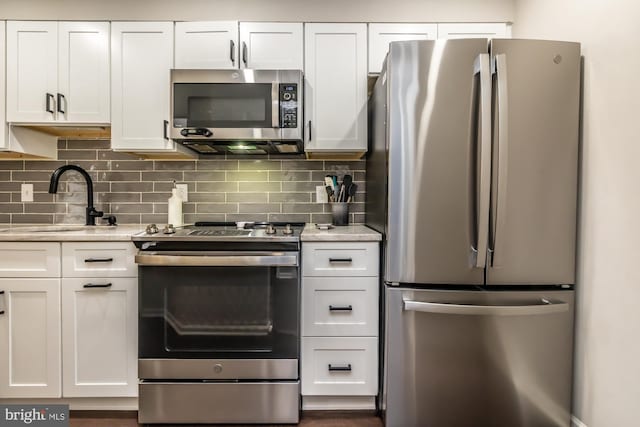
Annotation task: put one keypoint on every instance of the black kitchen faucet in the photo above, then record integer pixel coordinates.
(92, 213)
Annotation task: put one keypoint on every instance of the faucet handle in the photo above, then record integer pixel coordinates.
(92, 214)
(95, 213)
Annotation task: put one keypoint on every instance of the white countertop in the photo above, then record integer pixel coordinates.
(78, 233)
(340, 233)
(68, 233)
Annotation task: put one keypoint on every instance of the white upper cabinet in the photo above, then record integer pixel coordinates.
(83, 72)
(380, 35)
(257, 45)
(57, 72)
(32, 71)
(336, 88)
(4, 137)
(141, 57)
(474, 30)
(207, 44)
(271, 45)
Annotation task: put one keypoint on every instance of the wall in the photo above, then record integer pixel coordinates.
(607, 374)
(256, 10)
(136, 191)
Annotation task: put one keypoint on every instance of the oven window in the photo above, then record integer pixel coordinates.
(217, 311)
(222, 105)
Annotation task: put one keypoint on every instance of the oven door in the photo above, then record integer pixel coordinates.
(226, 111)
(218, 306)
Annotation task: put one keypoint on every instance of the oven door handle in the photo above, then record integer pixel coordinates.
(271, 260)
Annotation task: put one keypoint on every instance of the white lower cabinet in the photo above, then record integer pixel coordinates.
(342, 366)
(341, 307)
(99, 337)
(29, 338)
(340, 323)
(67, 336)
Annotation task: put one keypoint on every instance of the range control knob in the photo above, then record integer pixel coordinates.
(217, 368)
(287, 229)
(169, 229)
(270, 229)
(286, 96)
(152, 229)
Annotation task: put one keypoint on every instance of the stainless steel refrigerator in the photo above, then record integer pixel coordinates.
(472, 178)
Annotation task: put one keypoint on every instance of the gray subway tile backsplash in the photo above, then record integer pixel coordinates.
(136, 190)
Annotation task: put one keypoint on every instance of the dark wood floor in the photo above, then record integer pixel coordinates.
(308, 419)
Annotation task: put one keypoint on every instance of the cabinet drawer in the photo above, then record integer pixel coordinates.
(29, 259)
(340, 259)
(345, 306)
(96, 259)
(340, 366)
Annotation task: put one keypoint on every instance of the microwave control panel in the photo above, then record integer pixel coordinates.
(288, 105)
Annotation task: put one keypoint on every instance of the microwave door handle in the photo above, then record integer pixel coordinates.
(275, 105)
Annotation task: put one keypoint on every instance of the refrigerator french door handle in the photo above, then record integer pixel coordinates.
(543, 306)
(482, 66)
(499, 68)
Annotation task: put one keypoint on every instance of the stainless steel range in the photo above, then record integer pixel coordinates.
(219, 323)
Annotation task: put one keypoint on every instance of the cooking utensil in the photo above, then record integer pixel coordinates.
(346, 184)
(352, 192)
(330, 193)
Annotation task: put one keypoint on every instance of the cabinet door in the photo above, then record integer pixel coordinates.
(83, 72)
(336, 87)
(474, 30)
(100, 336)
(271, 45)
(380, 35)
(141, 57)
(4, 137)
(209, 44)
(32, 71)
(30, 338)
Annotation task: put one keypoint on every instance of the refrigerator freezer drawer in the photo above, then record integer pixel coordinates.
(478, 358)
(339, 366)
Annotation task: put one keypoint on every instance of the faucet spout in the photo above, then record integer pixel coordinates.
(91, 212)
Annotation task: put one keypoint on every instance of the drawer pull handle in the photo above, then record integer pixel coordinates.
(98, 260)
(92, 285)
(340, 308)
(2, 311)
(346, 368)
(340, 260)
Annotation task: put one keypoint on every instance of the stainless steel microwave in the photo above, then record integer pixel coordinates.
(237, 111)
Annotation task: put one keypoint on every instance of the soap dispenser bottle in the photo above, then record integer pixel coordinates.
(175, 207)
